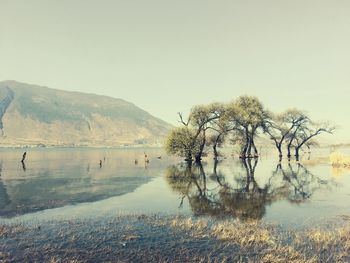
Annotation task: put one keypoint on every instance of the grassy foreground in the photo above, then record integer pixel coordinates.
(171, 239)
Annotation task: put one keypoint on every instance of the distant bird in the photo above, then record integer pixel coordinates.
(136, 161)
(24, 157)
(159, 157)
(100, 163)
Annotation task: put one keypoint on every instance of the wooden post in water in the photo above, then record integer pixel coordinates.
(24, 157)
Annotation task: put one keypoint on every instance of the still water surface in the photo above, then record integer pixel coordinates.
(70, 183)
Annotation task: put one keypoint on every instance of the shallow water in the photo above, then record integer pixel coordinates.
(70, 183)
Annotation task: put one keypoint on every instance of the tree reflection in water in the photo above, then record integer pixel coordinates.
(239, 194)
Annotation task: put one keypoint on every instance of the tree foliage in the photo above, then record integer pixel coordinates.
(183, 142)
(249, 116)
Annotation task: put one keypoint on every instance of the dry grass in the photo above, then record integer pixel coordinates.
(59, 260)
(339, 160)
(340, 164)
(189, 224)
(261, 242)
(246, 234)
(238, 241)
(6, 231)
(285, 254)
(329, 243)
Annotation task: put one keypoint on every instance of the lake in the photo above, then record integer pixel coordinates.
(69, 183)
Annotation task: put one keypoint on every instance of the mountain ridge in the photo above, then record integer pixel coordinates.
(41, 115)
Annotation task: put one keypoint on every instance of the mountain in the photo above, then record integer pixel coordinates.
(35, 115)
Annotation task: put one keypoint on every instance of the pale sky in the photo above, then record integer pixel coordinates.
(166, 56)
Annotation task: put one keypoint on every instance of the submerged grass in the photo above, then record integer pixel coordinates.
(173, 239)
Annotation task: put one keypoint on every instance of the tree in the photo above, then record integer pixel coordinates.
(306, 133)
(220, 128)
(183, 142)
(248, 115)
(298, 119)
(189, 141)
(201, 118)
(282, 126)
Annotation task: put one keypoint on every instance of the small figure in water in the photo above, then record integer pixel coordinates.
(24, 157)
(136, 161)
(100, 163)
(146, 158)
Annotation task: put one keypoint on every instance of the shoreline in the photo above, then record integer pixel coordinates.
(79, 147)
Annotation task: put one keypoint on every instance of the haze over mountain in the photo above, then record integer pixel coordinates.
(36, 115)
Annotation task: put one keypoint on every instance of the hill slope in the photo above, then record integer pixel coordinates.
(32, 115)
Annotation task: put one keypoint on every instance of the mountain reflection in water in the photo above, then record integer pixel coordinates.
(59, 177)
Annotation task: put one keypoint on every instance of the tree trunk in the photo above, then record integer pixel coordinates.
(288, 151)
(249, 150)
(201, 149)
(297, 153)
(245, 148)
(216, 155)
(280, 155)
(189, 157)
(215, 167)
(256, 153)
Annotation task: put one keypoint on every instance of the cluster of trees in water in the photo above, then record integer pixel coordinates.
(240, 122)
